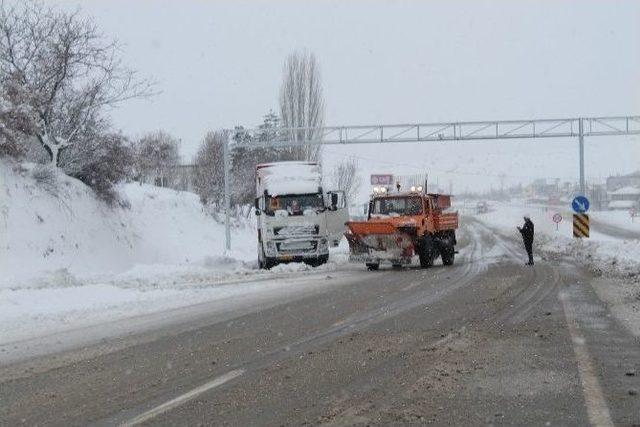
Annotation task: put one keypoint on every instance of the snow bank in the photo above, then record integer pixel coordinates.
(601, 252)
(55, 232)
(67, 260)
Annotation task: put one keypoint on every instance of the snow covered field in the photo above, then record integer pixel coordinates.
(602, 251)
(68, 260)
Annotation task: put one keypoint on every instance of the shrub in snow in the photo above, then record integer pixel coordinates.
(109, 164)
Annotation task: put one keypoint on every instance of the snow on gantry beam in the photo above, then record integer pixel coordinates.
(425, 132)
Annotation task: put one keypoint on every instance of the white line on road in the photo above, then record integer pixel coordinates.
(173, 403)
(597, 408)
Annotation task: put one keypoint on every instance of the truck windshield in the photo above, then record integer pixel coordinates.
(397, 206)
(295, 204)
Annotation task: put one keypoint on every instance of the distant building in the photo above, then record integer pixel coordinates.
(624, 198)
(617, 182)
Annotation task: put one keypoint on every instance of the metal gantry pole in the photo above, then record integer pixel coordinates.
(227, 197)
(581, 142)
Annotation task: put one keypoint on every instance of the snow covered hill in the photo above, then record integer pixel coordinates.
(55, 230)
(67, 260)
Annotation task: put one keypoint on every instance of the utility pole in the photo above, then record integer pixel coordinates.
(227, 197)
(581, 142)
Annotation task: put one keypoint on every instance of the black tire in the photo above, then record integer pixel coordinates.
(372, 266)
(448, 256)
(322, 259)
(426, 252)
(269, 263)
(447, 249)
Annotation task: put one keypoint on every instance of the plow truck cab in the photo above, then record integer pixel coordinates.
(404, 225)
(296, 220)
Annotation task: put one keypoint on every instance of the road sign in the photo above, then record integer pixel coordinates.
(580, 225)
(557, 218)
(381, 179)
(580, 204)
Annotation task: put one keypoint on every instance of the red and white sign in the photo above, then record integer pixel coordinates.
(381, 179)
(557, 218)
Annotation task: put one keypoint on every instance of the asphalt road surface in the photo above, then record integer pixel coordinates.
(488, 341)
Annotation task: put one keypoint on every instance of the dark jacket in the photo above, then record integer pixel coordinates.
(527, 231)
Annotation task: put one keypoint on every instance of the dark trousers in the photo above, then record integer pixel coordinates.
(529, 247)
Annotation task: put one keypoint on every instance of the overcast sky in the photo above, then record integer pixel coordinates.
(219, 63)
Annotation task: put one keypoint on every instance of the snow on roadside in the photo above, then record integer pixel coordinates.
(601, 252)
(55, 232)
(67, 260)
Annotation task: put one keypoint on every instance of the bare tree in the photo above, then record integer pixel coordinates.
(209, 172)
(157, 157)
(58, 75)
(346, 178)
(302, 103)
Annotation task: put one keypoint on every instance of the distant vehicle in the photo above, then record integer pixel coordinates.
(401, 225)
(482, 207)
(297, 221)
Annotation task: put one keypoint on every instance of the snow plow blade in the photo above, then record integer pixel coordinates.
(373, 242)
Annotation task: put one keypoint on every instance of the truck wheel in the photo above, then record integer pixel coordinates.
(322, 259)
(269, 263)
(396, 266)
(447, 250)
(372, 266)
(447, 256)
(426, 253)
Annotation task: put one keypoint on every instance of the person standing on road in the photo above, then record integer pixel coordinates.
(527, 236)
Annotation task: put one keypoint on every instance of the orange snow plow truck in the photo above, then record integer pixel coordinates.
(402, 225)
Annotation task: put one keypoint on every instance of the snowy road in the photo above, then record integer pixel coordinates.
(487, 341)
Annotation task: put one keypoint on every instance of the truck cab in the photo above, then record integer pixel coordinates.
(296, 220)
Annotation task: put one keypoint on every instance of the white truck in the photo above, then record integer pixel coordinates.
(297, 220)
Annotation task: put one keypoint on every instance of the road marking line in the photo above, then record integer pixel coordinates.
(173, 403)
(597, 408)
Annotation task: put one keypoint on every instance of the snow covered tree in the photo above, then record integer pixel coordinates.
(58, 75)
(157, 157)
(302, 104)
(346, 178)
(9, 139)
(209, 168)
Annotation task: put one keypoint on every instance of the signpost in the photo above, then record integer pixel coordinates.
(557, 218)
(580, 206)
(381, 179)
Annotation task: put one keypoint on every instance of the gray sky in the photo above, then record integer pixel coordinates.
(219, 63)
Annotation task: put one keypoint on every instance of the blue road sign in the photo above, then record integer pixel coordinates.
(580, 204)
